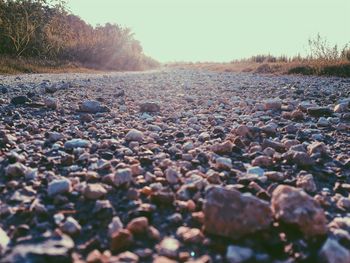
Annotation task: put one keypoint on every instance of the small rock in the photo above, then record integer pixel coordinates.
(302, 159)
(77, 143)
(16, 170)
(138, 225)
(223, 163)
(149, 107)
(319, 111)
(306, 182)
(19, 100)
(4, 241)
(71, 226)
(90, 106)
(273, 104)
(59, 186)
(94, 191)
(115, 225)
(237, 254)
(232, 214)
(262, 160)
(122, 239)
(168, 247)
(134, 135)
(294, 206)
(172, 176)
(333, 252)
(341, 107)
(51, 103)
(255, 170)
(222, 148)
(123, 177)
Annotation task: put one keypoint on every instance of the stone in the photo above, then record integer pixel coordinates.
(20, 100)
(59, 186)
(16, 170)
(238, 254)
(319, 111)
(243, 131)
(50, 89)
(77, 143)
(4, 241)
(134, 135)
(71, 226)
(172, 176)
(274, 176)
(333, 252)
(273, 104)
(168, 247)
(317, 147)
(222, 148)
(127, 257)
(302, 159)
(341, 107)
(223, 163)
(94, 191)
(255, 170)
(51, 103)
(121, 240)
(262, 160)
(306, 182)
(293, 206)
(123, 176)
(149, 107)
(91, 106)
(114, 226)
(229, 213)
(138, 225)
(55, 136)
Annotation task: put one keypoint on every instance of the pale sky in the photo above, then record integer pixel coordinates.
(221, 30)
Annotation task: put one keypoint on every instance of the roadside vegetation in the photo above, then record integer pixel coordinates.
(43, 35)
(323, 59)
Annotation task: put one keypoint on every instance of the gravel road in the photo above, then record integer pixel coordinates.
(174, 165)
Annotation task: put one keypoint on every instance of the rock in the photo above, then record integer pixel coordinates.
(127, 257)
(59, 186)
(94, 191)
(255, 170)
(20, 100)
(16, 170)
(55, 136)
(243, 131)
(91, 106)
(71, 226)
(262, 160)
(341, 107)
(273, 104)
(138, 225)
(223, 163)
(77, 143)
(293, 206)
(4, 241)
(123, 177)
(306, 182)
(302, 159)
(115, 225)
(274, 176)
(41, 249)
(86, 117)
(333, 252)
(51, 103)
(317, 147)
(50, 89)
(168, 247)
(121, 240)
(319, 111)
(190, 235)
(237, 254)
(222, 148)
(149, 107)
(134, 135)
(172, 176)
(229, 213)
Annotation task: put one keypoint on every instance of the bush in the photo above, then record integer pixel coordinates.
(303, 70)
(42, 29)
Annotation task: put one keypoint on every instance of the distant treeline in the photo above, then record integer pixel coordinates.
(47, 30)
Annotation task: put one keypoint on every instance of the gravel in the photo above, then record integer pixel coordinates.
(174, 165)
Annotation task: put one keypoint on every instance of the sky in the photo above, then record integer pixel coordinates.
(222, 30)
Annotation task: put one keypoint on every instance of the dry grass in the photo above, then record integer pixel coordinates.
(10, 66)
(312, 67)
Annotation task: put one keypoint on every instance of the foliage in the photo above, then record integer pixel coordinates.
(45, 29)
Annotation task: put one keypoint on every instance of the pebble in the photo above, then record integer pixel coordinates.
(77, 143)
(138, 225)
(16, 170)
(90, 106)
(4, 241)
(123, 177)
(94, 191)
(19, 100)
(168, 247)
(149, 107)
(71, 226)
(51, 103)
(237, 254)
(294, 206)
(231, 214)
(134, 135)
(59, 186)
(333, 252)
